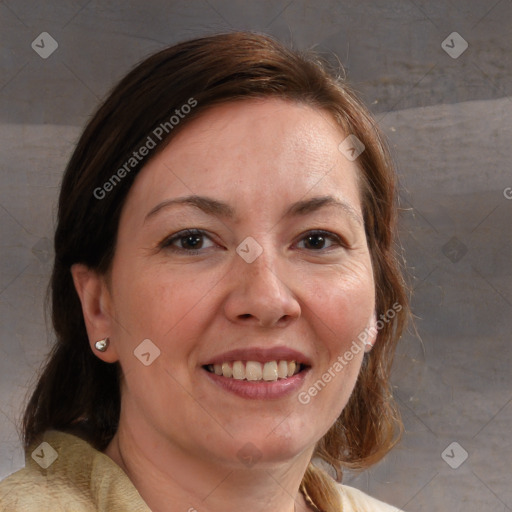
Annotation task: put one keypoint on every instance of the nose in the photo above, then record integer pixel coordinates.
(260, 293)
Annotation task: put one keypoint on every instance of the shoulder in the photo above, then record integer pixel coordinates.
(65, 473)
(354, 500)
(38, 485)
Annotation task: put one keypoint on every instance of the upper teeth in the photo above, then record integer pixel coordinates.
(253, 370)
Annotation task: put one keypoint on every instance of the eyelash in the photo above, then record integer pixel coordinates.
(167, 243)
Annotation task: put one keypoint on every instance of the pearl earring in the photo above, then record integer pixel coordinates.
(102, 345)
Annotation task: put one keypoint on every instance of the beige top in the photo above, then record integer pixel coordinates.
(65, 473)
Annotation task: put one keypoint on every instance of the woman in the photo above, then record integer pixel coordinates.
(225, 294)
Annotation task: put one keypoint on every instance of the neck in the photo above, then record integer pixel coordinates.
(170, 480)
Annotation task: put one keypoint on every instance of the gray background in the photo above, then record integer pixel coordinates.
(449, 124)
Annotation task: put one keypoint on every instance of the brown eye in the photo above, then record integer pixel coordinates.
(186, 241)
(316, 240)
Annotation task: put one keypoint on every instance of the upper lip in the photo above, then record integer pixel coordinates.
(261, 355)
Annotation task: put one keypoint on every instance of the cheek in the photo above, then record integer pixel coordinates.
(163, 302)
(341, 309)
(343, 302)
(160, 306)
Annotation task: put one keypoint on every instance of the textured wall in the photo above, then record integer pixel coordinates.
(448, 118)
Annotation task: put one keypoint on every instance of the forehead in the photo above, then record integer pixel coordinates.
(254, 152)
(266, 127)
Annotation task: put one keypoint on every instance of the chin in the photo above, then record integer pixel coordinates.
(272, 442)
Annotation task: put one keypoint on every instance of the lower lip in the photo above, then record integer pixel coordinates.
(259, 390)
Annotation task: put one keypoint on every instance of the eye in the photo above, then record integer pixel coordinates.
(317, 239)
(191, 240)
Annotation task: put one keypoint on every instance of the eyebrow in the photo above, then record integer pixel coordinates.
(219, 209)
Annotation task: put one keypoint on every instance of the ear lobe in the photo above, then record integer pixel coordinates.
(372, 333)
(95, 299)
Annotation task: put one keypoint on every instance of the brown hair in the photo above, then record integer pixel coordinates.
(76, 390)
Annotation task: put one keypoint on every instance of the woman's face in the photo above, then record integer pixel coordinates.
(258, 284)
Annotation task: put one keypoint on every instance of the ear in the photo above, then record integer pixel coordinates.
(372, 333)
(96, 307)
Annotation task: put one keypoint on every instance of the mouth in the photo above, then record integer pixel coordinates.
(258, 373)
(268, 371)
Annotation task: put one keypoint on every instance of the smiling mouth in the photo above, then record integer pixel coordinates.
(256, 371)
